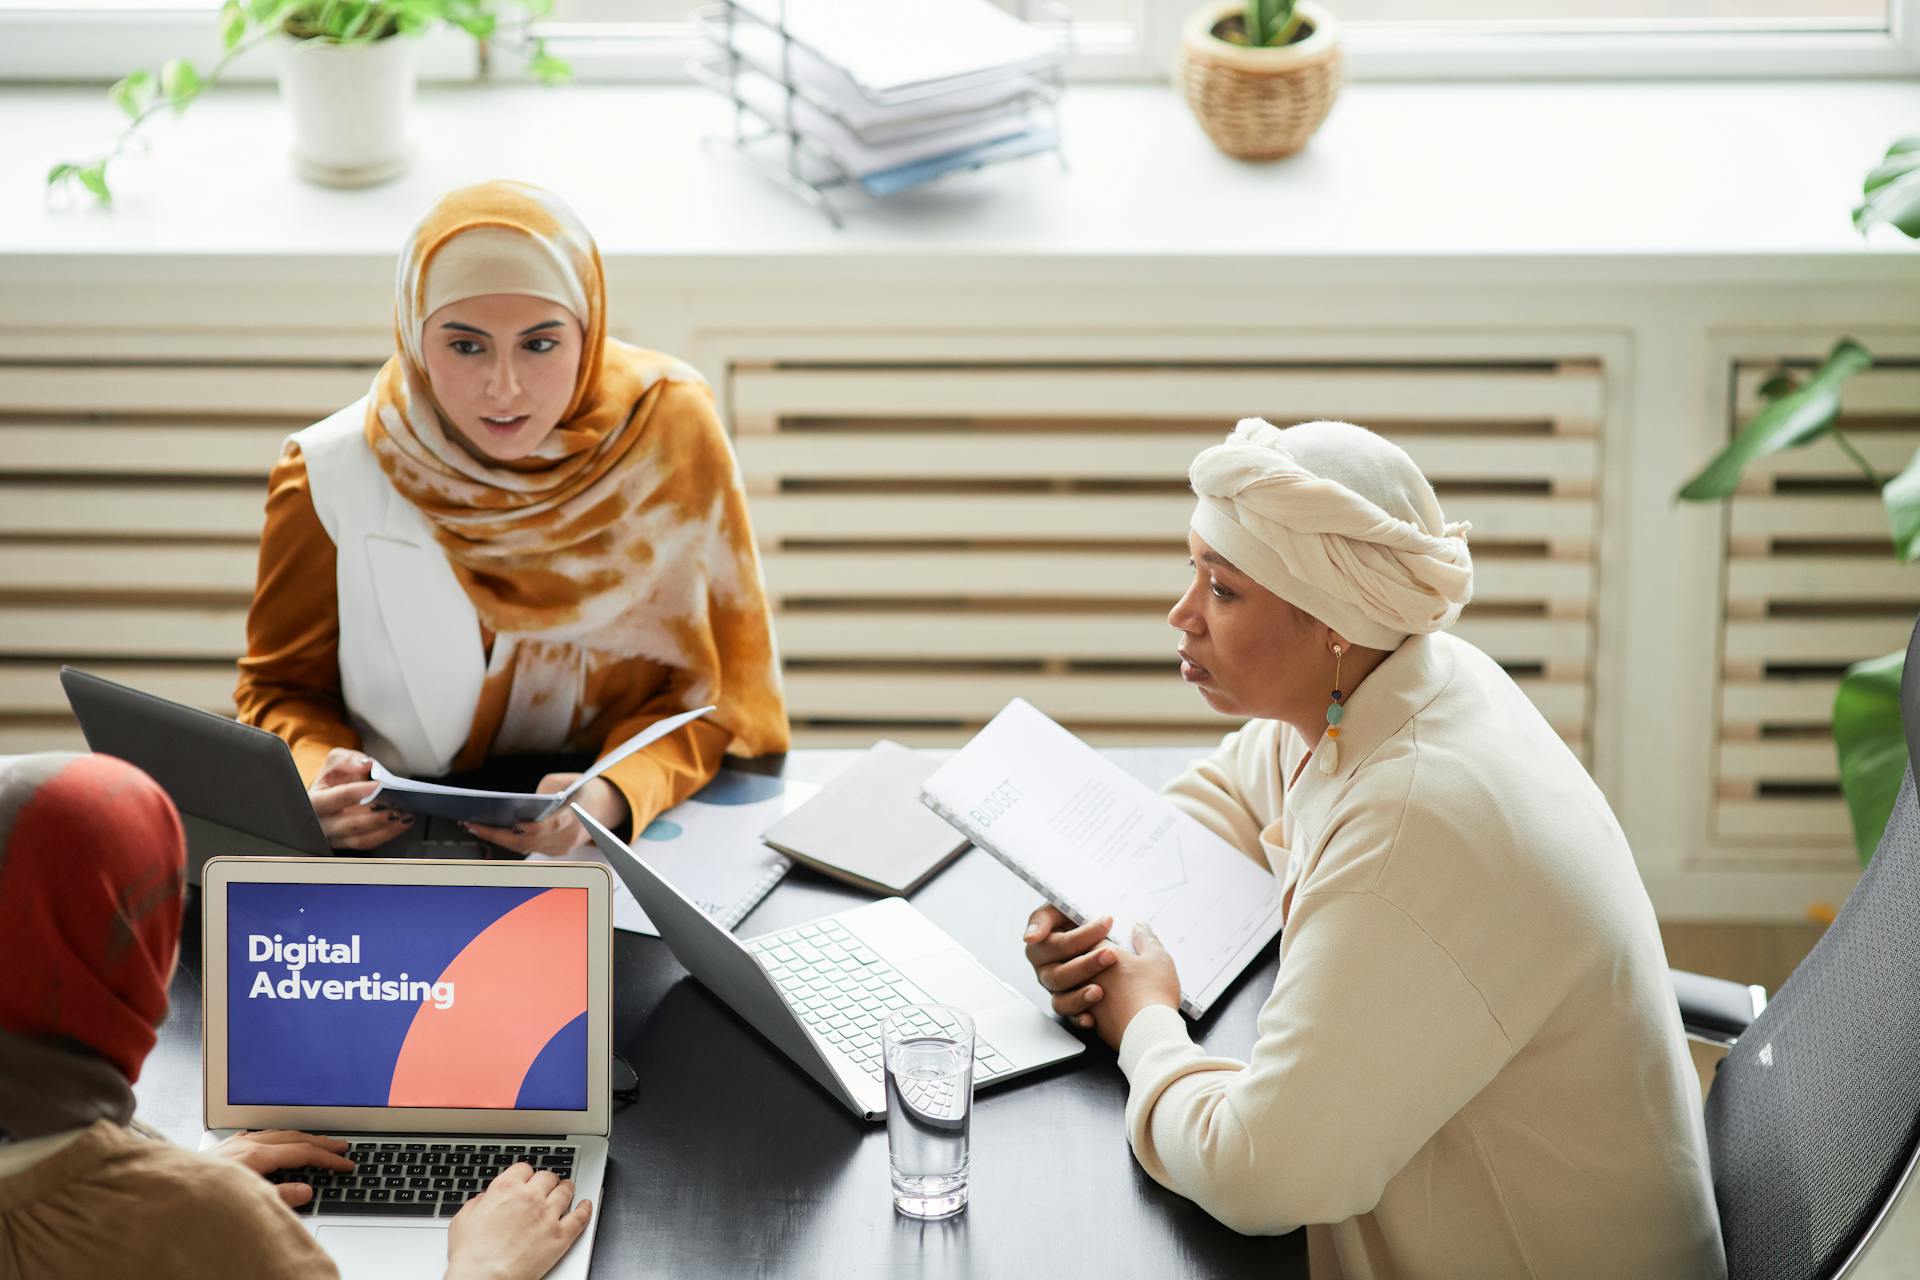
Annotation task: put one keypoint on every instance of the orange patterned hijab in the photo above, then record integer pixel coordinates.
(623, 535)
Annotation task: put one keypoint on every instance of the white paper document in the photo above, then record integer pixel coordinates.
(503, 808)
(761, 49)
(888, 48)
(1095, 841)
(862, 158)
(709, 847)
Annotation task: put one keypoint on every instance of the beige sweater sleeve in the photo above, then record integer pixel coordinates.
(1207, 792)
(1372, 1039)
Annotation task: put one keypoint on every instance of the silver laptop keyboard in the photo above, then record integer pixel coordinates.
(843, 990)
(419, 1177)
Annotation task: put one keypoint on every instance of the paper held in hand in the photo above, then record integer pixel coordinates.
(1094, 841)
(503, 808)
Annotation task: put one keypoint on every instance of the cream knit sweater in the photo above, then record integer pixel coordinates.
(1471, 1064)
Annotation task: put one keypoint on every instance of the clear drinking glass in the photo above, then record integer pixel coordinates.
(928, 1049)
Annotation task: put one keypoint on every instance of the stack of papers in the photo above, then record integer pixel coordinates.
(889, 94)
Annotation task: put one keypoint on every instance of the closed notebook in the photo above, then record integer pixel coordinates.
(1094, 841)
(868, 827)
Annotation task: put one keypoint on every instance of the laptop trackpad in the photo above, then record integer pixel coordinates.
(956, 978)
(380, 1250)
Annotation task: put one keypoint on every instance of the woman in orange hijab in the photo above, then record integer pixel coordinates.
(528, 540)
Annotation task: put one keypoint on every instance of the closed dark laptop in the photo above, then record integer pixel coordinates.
(237, 788)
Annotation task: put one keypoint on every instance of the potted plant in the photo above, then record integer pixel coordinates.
(1260, 75)
(345, 72)
(1870, 743)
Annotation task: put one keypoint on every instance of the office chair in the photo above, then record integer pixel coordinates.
(1813, 1120)
(1715, 1010)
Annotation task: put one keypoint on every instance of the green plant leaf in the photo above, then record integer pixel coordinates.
(132, 92)
(94, 178)
(1892, 190)
(60, 173)
(1901, 497)
(549, 69)
(1256, 20)
(233, 25)
(1780, 384)
(1871, 744)
(1795, 419)
(181, 82)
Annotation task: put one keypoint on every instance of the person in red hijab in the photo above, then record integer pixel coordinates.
(92, 888)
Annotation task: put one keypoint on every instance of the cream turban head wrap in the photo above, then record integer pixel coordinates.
(1336, 521)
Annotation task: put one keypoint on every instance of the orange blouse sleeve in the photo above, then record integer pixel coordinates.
(671, 769)
(290, 677)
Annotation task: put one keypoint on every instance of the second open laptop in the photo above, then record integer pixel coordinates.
(447, 1019)
(236, 787)
(820, 990)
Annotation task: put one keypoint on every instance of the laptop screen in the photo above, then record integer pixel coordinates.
(407, 995)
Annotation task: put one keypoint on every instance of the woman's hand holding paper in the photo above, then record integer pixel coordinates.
(1094, 983)
(339, 794)
(559, 832)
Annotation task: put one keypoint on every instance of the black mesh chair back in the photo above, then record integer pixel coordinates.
(1814, 1116)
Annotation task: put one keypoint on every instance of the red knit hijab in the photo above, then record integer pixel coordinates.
(92, 876)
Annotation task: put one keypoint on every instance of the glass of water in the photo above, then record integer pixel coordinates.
(928, 1050)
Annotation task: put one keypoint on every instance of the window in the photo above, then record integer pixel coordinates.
(1630, 38)
(651, 39)
(1114, 39)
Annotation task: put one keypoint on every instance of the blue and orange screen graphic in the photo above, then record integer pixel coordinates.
(406, 995)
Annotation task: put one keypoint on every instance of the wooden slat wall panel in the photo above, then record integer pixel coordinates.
(1079, 574)
(1811, 587)
(1470, 397)
(131, 499)
(153, 448)
(1089, 518)
(301, 392)
(937, 540)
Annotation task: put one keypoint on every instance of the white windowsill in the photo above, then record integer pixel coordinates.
(1604, 182)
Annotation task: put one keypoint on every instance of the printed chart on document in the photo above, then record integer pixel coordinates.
(1166, 869)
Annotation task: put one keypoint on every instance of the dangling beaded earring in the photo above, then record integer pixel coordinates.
(1329, 751)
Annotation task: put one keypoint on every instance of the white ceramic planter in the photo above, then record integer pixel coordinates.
(350, 106)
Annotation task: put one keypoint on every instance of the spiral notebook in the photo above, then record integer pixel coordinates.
(709, 845)
(1094, 841)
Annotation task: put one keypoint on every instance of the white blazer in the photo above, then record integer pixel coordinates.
(411, 657)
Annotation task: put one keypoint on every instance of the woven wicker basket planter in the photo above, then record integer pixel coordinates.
(1259, 104)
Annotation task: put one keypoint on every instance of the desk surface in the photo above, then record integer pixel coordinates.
(733, 1163)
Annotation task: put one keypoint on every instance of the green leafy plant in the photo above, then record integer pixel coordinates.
(1800, 409)
(1870, 742)
(245, 24)
(1266, 24)
(1892, 190)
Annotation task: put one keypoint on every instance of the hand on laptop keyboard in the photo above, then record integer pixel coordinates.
(511, 1203)
(271, 1152)
(520, 1227)
(403, 1177)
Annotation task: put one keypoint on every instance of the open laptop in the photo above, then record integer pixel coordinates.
(447, 1019)
(236, 787)
(820, 990)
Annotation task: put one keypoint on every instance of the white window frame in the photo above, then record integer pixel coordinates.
(97, 44)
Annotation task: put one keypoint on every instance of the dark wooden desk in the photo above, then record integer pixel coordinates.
(733, 1163)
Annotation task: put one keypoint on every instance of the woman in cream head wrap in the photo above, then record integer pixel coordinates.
(528, 542)
(1471, 1063)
